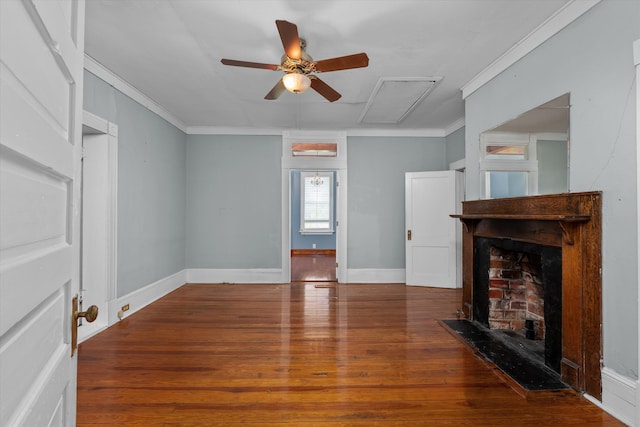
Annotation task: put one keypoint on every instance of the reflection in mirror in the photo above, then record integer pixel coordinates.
(529, 154)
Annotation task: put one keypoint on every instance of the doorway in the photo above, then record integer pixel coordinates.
(313, 225)
(98, 223)
(335, 162)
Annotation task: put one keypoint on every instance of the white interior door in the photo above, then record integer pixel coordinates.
(41, 57)
(431, 255)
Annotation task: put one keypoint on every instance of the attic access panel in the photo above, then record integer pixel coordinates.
(394, 98)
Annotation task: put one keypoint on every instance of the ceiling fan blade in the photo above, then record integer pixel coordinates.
(290, 40)
(357, 60)
(276, 91)
(324, 89)
(247, 64)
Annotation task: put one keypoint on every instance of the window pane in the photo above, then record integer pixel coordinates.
(314, 149)
(317, 202)
(507, 152)
(507, 184)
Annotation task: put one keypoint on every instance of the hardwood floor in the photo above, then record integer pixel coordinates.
(313, 267)
(301, 355)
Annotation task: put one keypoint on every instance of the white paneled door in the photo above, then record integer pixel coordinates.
(432, 235)
(41, 61)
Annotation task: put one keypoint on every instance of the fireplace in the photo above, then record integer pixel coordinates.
(555, 242)
(518, 289)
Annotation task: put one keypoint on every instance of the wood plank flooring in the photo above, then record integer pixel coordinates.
(301, 355)
(313, 268)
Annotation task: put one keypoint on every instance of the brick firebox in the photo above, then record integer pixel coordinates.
(516, 292)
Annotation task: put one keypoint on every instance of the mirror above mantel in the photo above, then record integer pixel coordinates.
(528, 154)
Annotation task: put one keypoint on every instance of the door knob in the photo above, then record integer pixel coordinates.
(90, 315)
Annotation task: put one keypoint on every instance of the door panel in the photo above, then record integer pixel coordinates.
(431, 256)
(32, 62)
(40, 111)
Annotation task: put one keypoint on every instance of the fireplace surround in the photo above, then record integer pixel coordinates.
(569, 223)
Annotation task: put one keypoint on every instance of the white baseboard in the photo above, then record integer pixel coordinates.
(144, 296)
(249, 275)
(619, 396)
(376, 275)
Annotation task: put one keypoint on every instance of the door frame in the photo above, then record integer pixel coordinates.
(103, 250)
(461, 167)
(337, 163)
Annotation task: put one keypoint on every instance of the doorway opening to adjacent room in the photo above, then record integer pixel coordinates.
(313, 225)
(317, 161)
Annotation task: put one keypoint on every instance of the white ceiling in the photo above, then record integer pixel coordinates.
(170, 50)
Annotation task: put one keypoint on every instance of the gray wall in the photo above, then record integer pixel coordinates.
(593, 60)
(376, 168)
(233, 201)
(151, 184)
(455, 146)
(552, 166)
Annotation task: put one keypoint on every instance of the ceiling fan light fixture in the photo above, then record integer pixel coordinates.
(296, 82)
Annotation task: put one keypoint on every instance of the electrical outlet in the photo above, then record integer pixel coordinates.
(125, 307)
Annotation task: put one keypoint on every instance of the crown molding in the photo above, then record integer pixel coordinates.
(217, 130)
(556, 22)
(225, 130)
(458, 124)
(428, 133)
(99, 70)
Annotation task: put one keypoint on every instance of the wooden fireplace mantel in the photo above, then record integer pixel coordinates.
(571, 221)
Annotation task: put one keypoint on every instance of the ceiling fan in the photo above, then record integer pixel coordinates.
(299, 66)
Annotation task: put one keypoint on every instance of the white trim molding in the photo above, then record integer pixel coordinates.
(376, 275)
(222, 130)
(228, 275)
(458, 124)
(142, 297)
(99, 70)
(636, 61)
(618, 396)
(417, 133)
(458, 165)
(563, 17)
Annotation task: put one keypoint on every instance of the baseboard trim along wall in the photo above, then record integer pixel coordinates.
(376, 275)
(249, 275)
(144, 296)
(619, 396)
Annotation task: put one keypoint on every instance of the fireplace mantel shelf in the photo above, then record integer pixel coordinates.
(565, 218)
(465, 218)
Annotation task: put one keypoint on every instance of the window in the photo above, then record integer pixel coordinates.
(316, 213)
(509, 165)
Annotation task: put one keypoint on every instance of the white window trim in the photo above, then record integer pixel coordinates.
(530, 165)
(324, 231)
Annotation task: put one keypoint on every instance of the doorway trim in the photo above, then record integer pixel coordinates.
(337, 163)
(105, 251)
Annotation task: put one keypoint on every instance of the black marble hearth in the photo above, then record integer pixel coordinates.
(512, 354)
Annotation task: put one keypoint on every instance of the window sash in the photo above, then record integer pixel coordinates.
(316, 207)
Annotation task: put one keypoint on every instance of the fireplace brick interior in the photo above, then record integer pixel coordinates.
(516, 292)
(515, 281)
